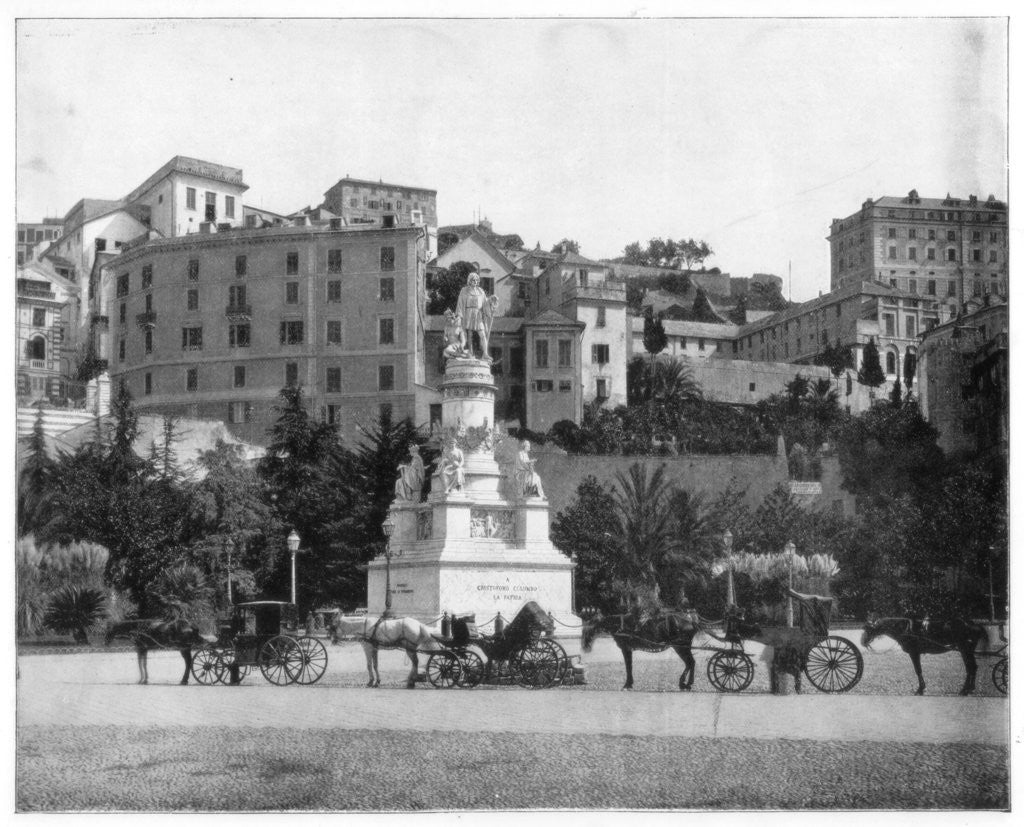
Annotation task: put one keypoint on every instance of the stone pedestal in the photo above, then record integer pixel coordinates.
(483, 549)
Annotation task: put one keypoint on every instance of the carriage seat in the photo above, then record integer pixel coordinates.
(463, 629)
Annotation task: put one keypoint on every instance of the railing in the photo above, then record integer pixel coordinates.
(147, 319)
(100, 321)
(36, 292)
(238, 311)
(613, 291)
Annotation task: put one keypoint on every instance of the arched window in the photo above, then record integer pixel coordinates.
(35, 348)
(890, 363)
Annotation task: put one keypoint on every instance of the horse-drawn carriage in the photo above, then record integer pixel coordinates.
(521, 653)
(830, 662)
(261, 635)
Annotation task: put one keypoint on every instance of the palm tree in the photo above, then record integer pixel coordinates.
(182, 591)
(74, 609)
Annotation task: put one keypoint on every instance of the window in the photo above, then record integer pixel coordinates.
(192, 299)
(122, 313)
(496, 365)
(193, 269)
(931, 254)
(120, 349)
(292, 333)
(977, 288)
(951, 254)
(147, 276)
(993, 238)
(291, 264)
(386, 377)
(950, 235)
(239, 376)
(39, 317)
(599, 354)
(192, 379)
(387, 289)
(911, 233)
(540, 351)
(565, 353)
(547, 286)
(148, 338)
(334, 291)
(387, 258)
(993, 257)
(951, 288)
(240, 412)
(601, 320)
(291, 373)
(211, 206)
(912, 253)
(333, 414)
(912, 285)
(516, 361)
(238, 335)
(544, 385)
(487, 285)
(602, 388)
(700, 342)
(522, 289)
(229, 206)
(564, 385)
(386, 329)
(122, 285)
(191, 338)
(931, 235)
(890, 363)
(236, 296)
(910, 324)
(892, 252)
(333, 384)
(149, 384)
(241, 265)
(190, 198)
(892, 232)
(291, 292)
(333, 332)
(975, 255)
(890, 324)
(892, 282)
(334, 261)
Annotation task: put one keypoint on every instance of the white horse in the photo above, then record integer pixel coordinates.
(388, 633)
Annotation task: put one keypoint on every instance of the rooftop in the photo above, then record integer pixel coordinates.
(190, 166)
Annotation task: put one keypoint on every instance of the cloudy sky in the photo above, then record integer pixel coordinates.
(751, 134)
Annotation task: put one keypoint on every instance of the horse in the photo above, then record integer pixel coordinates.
(389, 633)
(158, 634)
(654, 634)
(919, 637)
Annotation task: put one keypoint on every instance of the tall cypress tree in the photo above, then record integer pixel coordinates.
(871, 373)
(34, 480)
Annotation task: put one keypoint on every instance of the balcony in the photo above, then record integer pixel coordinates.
(602, 290)
(239, 312)
(100, 321)
(32, 289)
(147, 319)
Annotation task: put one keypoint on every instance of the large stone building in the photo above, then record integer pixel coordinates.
(33, 238)
(357, 202)
(42, 299)
(945, 249)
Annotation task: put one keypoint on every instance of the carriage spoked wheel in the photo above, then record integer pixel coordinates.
(227, 658)
(280, 660)
(536, 665)
(561, 659)
(834, 665)
(472, 669)
(1001, 674)
(730, 671)
(444, 670)
(207, 666)
(312, 660)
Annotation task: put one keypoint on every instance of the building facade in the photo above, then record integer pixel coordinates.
(42, 299)
(213, 325)
(357, 201)
(944, 249)
(33, 238)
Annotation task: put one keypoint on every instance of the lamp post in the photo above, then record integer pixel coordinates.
(389, 529)
(790, 551)
(293, 547)
(730, 597)
(228, 545)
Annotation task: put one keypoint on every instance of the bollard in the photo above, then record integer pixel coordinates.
(499, 625)
(446, 626)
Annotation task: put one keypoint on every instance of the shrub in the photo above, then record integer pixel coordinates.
(73, 609)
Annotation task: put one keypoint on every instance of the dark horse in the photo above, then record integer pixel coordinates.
(655, 634)
(930, 637)
(158, 634)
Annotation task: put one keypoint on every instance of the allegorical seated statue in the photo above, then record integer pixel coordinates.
(410, 477)
(527, 480)
(454, 337)
(453, 475)
(477, 311)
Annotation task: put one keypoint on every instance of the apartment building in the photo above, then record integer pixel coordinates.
(42, 299)
(357, 201)
(945, 249)
(33, 238)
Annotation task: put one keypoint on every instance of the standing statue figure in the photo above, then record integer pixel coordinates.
(410, 477)
(453, 475)
(454, 337)
(527, 481)
(477, 311)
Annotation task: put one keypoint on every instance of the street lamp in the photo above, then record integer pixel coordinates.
(228, 546)
(389, 529)
(790, 551)
(293, 547)
(730, 597)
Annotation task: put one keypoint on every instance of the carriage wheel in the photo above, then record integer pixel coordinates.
(207, 666)
(472, 669)
(1001, 674)
(443, 670)
(280, 660)
(227, 657)
(834, 665)
(730, 671)
(535, 666)
(313, 660)
(561, 658)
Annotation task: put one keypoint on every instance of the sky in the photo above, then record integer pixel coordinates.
(751, 134)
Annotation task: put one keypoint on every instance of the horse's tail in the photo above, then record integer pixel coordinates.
(590, 629)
